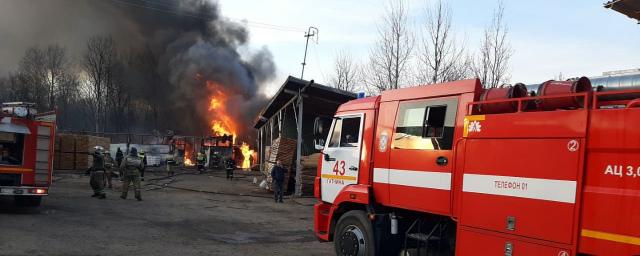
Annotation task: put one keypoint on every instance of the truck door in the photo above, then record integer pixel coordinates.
(419, 174)
(341, 159)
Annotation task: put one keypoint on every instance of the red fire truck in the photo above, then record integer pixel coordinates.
(26, 152)
(457, 169)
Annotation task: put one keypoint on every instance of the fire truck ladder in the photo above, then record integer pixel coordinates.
(423, 238)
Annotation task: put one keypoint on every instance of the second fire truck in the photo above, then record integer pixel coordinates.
(26, 152)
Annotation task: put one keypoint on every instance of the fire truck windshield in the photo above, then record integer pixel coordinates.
(11, 148)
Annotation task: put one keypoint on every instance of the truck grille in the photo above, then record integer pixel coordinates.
(7, 179)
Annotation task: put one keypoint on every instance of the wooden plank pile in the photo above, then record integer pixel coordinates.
(309, 172)
(283, 150)
(72, 151)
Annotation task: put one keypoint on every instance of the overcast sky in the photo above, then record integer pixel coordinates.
(575, 37)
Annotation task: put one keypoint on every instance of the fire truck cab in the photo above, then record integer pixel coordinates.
(457, 169)
(26, 152)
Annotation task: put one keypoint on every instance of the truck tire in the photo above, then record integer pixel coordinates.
(354, 235)
(28, 201)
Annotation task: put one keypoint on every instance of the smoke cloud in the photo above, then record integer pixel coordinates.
(192, 41)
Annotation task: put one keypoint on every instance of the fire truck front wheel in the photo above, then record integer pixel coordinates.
(354, 235)
(29, 201)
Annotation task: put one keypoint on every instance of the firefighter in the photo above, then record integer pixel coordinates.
(144, 164)
(119, 157)
(97, 173)
(200, 160)
(131, 165)
(277, 174)
(109, 165)
(229, 165)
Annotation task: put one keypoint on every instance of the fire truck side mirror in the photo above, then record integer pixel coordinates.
(319, 133)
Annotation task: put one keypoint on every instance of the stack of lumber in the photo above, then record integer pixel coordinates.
(283, 150)
(72, 151)
(309, 172)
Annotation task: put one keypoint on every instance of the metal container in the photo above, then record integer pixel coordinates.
(551, 87)
(503, 93)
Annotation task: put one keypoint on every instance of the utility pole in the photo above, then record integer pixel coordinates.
(311, 32)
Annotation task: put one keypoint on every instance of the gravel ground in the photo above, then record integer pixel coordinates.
(187, 215)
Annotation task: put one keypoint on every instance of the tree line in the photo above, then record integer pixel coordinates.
(402, 57)
(104, 89)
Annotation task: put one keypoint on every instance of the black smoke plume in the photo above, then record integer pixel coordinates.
(190, 42)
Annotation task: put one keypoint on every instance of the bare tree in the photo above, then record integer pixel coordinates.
(98, 64)
(118, 94)
(31, 77)
(492, 64)
(55, 64)
(389, 59)
(441, 58)
(152, 86)
(346, 72)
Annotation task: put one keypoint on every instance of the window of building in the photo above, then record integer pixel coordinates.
(11, 148)
(427, 124)
(346, 132)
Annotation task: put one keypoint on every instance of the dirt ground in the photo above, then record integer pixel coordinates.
(187, 215)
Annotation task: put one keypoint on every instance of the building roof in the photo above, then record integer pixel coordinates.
(316, 93)
(631, 8)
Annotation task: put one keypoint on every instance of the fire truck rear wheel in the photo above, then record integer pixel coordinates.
(354, 235)
(29, 201)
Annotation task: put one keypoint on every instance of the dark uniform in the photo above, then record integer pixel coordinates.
(119, 157)
(277, 174)
(229, 165)
(97, 175)
(131, 166)
(144, 165)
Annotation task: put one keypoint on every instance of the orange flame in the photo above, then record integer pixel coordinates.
(187, 159)
(247, 153)
(221, 123)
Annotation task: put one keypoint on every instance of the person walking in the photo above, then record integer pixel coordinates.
(97, 170)
(109, 165)
(277, 175)
(131, 165)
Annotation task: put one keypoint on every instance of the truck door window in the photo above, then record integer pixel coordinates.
(346, 132)
(425, 124)
(434, 122)
(11, 148)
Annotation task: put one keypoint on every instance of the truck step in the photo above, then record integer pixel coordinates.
(422, 237)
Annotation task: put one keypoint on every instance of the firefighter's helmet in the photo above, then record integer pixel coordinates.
(98, 150)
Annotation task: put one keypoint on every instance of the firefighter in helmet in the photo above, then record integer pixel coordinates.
(201, 161)
(131, 166)
(97, 173)
(109, 165)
